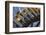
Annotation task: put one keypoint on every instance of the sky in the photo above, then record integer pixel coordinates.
(16, 9)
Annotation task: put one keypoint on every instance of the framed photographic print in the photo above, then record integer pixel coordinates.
(24, 17)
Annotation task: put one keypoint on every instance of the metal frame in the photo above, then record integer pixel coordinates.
(7, 16)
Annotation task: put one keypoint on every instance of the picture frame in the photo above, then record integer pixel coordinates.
(11, 24)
